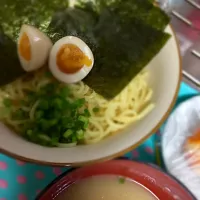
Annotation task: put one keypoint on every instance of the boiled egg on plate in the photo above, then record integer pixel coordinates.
(70, 60)
(33, 48)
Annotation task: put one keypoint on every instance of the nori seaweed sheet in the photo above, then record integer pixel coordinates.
(123, 35)
(15, 13)
(10, 68)
(124, 49)
(72, 21)
(122, 46)
(143, 10)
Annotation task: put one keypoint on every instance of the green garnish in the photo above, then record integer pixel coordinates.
(39, 114)
(80, 134)
(74, 139)
(83, 119)
(19, 115)
(44, 104)
(14, 13)
(7, 102)
(48, 74)
(29, 133)
(54, 119)
(121, 180)
(87, 113)
(64, 92)
(96, 110)
(44, 138)
(68, 133)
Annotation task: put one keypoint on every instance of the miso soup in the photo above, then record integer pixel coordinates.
(106, 188)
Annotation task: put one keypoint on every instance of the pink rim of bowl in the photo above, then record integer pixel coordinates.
(164, 186)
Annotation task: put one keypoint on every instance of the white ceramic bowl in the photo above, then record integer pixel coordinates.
(165, 73)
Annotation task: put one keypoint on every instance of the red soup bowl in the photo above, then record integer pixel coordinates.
(164, 186)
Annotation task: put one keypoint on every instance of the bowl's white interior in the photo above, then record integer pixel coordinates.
(165, 76)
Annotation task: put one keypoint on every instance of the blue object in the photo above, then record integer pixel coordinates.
(23, 181)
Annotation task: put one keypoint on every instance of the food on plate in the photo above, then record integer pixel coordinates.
(94, 84)
(70, 60)
(111, 35)
(38, 105)
(192, 151)
(33, 48)
(48, 115)
(107, 187)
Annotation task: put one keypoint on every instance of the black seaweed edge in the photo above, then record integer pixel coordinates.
(39, 196)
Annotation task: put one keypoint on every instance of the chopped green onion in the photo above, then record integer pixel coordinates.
(122, 180)
(85, 126)
(96, 110)
(55, 114)
(29, 133)
(80, 134)
(68, 133)
(7, 102)
(48, 74)
(19, 114)
(79, 103)
(83, 119)
(52, 122)
(56, 121)
(39, 114)
(50, 88)
(54, 141)
(74, 139)
(64, 92)
(57, 103)
(87, 113)
(44, 105)
(44, 124)
(44, 137)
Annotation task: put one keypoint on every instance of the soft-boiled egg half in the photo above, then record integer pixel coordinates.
(33, 48)
(70, 60)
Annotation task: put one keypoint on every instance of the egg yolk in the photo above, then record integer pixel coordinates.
(195, 139)
(70, 59)
(25, 47)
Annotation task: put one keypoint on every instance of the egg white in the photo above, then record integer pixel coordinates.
(75, 77)
(40, 46)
